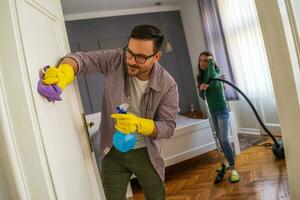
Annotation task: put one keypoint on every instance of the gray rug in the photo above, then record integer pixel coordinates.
(247, 140)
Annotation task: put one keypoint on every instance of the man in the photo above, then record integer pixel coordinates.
(132, 76)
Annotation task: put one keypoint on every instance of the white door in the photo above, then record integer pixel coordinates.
(93, 120)
(58, 135)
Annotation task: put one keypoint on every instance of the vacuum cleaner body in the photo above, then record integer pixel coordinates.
(278, 149)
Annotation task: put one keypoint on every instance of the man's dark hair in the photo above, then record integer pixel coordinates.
(148, 32)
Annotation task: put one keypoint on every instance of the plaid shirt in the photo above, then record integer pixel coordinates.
(159, 102)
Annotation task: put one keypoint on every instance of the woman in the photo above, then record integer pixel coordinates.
(215, 97)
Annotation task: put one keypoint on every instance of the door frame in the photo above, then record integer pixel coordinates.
(25, 160)
(17, 105)
(284, 69)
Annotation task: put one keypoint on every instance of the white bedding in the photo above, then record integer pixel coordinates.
(183, 121)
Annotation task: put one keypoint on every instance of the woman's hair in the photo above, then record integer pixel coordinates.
(200, 76)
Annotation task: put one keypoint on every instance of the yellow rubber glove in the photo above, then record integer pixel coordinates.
(129, 123)
(61, 75)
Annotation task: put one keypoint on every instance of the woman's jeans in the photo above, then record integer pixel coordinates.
(220, 121)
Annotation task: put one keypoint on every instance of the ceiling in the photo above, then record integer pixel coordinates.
(85, 6)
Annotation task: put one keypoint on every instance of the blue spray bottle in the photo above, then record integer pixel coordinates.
(123, 142)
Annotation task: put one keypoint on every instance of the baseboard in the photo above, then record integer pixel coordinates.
(273, 128)
(251, 131)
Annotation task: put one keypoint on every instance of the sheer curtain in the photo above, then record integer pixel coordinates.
(245, 47)
(215, 41)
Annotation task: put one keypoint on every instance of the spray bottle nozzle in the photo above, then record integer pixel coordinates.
(122, 109)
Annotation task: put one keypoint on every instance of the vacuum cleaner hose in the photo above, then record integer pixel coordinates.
(278, 145)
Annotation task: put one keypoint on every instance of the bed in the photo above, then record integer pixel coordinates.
(192, 137)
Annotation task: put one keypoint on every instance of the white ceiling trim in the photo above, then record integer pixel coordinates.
(112, 13)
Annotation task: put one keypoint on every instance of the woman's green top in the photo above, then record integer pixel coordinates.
(215, 92)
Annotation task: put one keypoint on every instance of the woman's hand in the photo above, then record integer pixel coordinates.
(203, 86)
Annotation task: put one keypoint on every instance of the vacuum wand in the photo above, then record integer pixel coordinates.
(222, 171)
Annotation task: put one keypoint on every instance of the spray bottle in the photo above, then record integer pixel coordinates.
(123, 142)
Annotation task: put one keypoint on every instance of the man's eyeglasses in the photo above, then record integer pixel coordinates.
(139, 58)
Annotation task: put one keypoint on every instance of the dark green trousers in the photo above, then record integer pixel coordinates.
(117, 168)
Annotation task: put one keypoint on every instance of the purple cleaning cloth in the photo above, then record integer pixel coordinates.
(51, 92)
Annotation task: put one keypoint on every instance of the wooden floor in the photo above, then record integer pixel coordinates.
(262, 178)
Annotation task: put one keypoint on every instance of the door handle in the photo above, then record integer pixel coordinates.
(88, 125)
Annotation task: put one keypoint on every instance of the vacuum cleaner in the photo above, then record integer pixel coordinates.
(277, 147)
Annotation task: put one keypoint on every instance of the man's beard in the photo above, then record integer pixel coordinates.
(136, 71)
(133, 70)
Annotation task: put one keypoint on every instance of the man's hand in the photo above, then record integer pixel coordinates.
(129, 123)
(203, 86)
(61, 76)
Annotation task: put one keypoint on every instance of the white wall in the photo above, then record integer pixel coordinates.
(246, 120)
(194, 35)
(192, 25)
